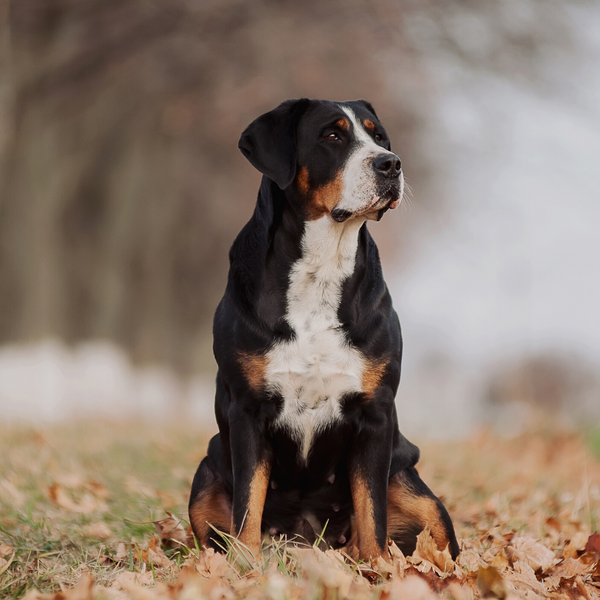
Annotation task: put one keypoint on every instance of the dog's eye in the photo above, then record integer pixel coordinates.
(332, 136)
(378, 137)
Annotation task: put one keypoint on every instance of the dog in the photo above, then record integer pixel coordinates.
(308, 348)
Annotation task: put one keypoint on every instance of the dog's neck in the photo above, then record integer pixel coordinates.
(323, 249)
(322, 244)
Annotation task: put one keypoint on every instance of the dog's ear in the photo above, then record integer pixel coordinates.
(368, 106)
(269, 142)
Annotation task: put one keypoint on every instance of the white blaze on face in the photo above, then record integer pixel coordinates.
(359, 179)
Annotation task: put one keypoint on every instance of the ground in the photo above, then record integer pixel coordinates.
(98, 510)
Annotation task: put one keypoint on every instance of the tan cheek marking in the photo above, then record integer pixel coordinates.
(210, 506)
(325, 198)
(321, 200)
(405, 508)
(368, 547)
(253, 367)
(251, 533)
(372, 376)
(343, 124)
(369, 124)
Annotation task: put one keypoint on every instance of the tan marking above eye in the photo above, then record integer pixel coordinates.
(369, 124)
(343, 124)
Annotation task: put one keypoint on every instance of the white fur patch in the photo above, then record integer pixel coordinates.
(313, 371)
(358, 179)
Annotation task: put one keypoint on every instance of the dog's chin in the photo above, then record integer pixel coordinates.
(376, 211)
(376, 208)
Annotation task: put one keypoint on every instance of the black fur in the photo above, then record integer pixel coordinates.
(251, 318)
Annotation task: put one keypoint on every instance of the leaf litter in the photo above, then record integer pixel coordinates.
(525, 510)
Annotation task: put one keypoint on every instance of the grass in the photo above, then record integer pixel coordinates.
(81, 498)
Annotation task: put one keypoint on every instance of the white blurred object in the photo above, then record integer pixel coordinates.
(508, 266)
(48, 382)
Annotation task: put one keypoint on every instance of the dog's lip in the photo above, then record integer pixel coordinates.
(386, 200)
(378, 204)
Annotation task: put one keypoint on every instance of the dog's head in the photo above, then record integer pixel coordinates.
(334, 156)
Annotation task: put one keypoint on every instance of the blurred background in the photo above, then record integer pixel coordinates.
(122, 188)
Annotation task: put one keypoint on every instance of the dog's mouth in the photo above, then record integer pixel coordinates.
(375, 209)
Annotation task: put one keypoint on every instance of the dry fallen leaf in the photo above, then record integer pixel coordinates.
(592, 547)
(536, 555)
(171, 532)
(86, 505)
(127, 579)
(490, 583)
(9, 492)
(82, 591)
(154, 554)
(523, 578)
(500, 561)
(326, 569)
(5, 550)
(398, 560)
(413, 588)
(576, 545)
(569, 567)
(98, 531)
(427, 550)
(209, 564)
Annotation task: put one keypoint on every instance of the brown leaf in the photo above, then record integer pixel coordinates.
(153, 554)
(427, 550)
(171, 532)
(97, 489)
(468, 561)
(537, 556)
(490, 582)
(398, 560)
(569, 567)
(5, 550)
(98, 531)
(553, 523)
(412, 587)
(122, 553)
(582, 589)
(523, 578)
(86, 505)
(575, 546)
(127, 579)
(159, 558)
(500, 561)
(592, 547)
(210, 564)
(82, 591)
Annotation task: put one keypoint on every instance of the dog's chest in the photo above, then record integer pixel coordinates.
(319, 366)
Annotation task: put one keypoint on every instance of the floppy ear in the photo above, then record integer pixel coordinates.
(368, 106)
(269, 142)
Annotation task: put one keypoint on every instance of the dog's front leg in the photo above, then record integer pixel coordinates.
(251, 461)
(368, 466)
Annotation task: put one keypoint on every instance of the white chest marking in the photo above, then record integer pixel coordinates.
(318, 367)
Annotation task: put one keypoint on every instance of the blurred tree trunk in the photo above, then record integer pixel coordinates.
(121, 184)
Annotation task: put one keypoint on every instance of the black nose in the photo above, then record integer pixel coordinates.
(388, 165)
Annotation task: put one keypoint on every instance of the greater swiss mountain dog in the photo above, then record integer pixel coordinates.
(308, 347)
